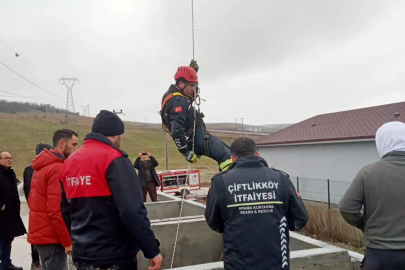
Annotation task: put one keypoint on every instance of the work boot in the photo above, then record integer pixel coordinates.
(36, 266)
(13, 267)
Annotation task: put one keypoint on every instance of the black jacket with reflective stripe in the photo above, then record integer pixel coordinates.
(178, 116)
(254, 207)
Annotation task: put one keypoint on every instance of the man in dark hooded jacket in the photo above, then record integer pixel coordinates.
(27, 175)
(254, 206)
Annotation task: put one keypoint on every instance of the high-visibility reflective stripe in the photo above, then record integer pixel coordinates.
(257, 203)
(224, 165)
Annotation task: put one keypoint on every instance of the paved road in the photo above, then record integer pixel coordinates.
(21, 250)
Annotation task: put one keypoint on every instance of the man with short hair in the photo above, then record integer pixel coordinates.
(186, 125)
(102, 202)
(11, 224)
(254, 206)
(27, 176)
(375, 201)
(47, 230)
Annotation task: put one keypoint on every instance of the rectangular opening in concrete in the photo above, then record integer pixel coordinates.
(197, 243)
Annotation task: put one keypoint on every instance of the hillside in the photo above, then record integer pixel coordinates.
(277, 127)
(22, 131)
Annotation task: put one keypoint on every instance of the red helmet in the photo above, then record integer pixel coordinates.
(187, 73)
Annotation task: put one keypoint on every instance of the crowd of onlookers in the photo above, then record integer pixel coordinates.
(88, 202)
(48, 234)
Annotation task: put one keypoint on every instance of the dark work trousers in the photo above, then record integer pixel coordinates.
(34, 254)
(130, 263)
(383, 259)
(5, 252)
(211, 147)
(151, 189)
(53, 256)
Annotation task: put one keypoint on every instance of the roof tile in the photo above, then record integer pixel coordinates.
(346, 125)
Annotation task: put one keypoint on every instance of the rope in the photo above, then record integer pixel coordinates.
(189, 164)
(192, 24)
(185, 185)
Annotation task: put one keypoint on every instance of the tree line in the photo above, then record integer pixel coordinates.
(22, 107)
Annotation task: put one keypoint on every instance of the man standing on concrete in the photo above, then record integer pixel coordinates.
(102, 202)
(146, 164)
(11, 224)
(254, 206)
(27, 175)
(46, 230)
(375, 201)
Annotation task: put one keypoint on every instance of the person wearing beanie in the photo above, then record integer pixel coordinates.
(27, 176)
(102, 203)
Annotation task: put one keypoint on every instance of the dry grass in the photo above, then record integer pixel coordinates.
(325, 224)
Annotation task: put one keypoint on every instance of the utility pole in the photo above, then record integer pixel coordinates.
(242, 125)
(235, 127)
(86, 110)
(145, 120)
(167, 151)
(70, 115)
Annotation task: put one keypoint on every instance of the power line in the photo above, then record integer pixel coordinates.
(29, 80)
(7, 46)
(10, 96)
(18, 95)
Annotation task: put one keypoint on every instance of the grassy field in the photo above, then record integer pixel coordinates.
(20, 133)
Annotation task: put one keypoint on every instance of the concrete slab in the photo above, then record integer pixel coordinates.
(197, 243)
(201, 248)
(321, 259)
(170, 209)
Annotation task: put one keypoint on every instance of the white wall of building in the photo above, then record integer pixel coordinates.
(315, 163)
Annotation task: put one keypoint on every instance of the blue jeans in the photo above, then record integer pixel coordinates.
(5, 252)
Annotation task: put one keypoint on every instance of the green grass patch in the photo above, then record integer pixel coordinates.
(20, 135)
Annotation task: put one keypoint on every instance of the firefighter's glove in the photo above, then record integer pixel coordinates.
(194, 65)
(191, 157)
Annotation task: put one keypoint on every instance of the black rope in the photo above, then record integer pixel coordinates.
(192, 24)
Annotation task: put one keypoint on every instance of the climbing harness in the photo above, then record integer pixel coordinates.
(162, 112)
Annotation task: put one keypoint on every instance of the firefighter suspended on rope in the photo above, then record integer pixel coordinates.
(178, 116)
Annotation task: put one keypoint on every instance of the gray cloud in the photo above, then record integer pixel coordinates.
(266, 61)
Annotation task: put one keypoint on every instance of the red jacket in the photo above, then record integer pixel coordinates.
(46, 225)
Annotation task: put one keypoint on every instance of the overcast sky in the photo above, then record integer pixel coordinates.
(266, 61)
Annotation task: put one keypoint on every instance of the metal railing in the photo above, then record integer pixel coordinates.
(329, 191)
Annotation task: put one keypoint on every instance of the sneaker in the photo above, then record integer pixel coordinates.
(36, 266)
(13, 267)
